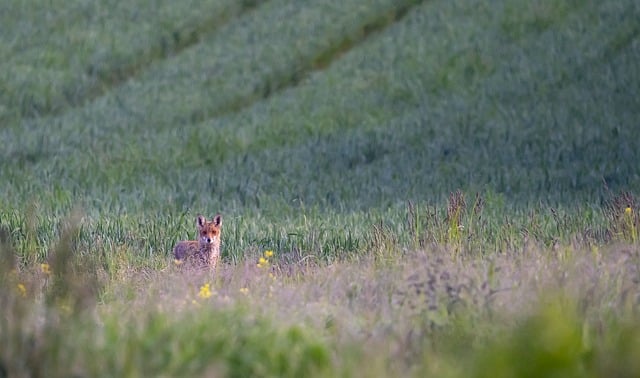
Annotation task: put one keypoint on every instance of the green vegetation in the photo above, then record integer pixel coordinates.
(447, 186)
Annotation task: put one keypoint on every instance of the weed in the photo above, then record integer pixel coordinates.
(621, 212)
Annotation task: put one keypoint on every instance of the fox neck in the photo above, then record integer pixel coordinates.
(208, 246)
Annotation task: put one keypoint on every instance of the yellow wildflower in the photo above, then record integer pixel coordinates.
(262, 262)
(244, 290)
(22, 290)
(628, 210)
(268, 253)
(205, 291)
(45, 268)
(177, 262)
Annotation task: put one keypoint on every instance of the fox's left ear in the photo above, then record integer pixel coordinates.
(217, 220)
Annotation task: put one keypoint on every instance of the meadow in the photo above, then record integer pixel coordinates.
(408, 188)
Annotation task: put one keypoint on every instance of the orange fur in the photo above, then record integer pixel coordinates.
(206, 250)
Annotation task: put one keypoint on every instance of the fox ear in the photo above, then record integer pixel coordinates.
(217, 220)
(200, 221)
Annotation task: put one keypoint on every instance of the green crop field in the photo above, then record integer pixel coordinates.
(408, 188)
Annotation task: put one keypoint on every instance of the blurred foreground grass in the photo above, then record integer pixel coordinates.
(536, 312)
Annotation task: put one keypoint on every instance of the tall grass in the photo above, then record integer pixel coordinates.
(473, 225)
(570, 311)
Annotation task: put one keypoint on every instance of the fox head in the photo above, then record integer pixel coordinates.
(209, 231)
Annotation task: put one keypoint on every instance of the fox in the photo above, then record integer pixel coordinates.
(206, 250)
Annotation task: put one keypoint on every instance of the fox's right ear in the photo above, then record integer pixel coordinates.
(200, 221)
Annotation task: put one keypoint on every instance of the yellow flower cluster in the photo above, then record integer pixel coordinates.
(205, 291)
(263, 261)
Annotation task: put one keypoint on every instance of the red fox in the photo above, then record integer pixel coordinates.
(206, 250)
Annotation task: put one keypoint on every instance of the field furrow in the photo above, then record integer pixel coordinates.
(240, 63)
(72, 52)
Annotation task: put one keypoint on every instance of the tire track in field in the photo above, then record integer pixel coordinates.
(292, 76)
(171, 43)
(282, 77)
